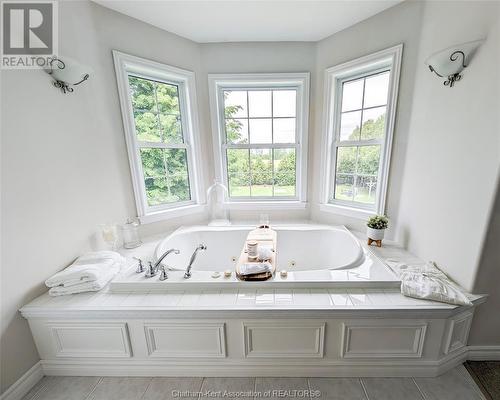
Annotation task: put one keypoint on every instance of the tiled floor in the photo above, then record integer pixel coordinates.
(453, 385)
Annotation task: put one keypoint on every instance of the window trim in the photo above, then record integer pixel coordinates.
(125, 65)
(299, 81)
(334, 76)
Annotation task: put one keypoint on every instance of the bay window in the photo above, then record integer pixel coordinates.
(260, 137)
(159, 117)
(361, 98)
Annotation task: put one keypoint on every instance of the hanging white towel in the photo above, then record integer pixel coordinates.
(428, 282)
(87, 268)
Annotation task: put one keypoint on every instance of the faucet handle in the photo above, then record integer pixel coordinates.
(163, 273)
(140, 266)
(151, 270)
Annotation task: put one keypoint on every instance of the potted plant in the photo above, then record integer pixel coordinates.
(376, 227)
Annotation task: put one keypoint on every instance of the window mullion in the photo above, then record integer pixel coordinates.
(272, 165)
(158, 120)
(158, 145)
(250, 171)
(272, 140)
(360, 143)
(362, 110)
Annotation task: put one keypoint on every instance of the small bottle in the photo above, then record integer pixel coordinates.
(130, 230)
(252, 247)
(216, 197)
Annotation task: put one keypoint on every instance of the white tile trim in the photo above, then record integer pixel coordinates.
(24, 384)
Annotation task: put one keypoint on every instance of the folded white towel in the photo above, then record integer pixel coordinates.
(428, 282)
(254, 268)
(93, 286)
(87, 268)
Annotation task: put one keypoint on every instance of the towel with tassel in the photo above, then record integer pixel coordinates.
(428, 282)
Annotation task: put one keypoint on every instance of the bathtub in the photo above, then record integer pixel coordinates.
(300, 248)
(314, 256)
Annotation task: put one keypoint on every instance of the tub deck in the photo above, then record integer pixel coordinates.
(372, 273)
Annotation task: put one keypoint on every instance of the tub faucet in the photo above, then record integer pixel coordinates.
(202, 247)
(153, 269)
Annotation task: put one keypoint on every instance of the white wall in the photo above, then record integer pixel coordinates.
(399, 24)
(64, 161)
(454, 150)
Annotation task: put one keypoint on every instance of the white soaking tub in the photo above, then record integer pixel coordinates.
(314, 256)
(300, 248)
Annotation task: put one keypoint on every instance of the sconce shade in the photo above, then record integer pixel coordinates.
(67, 73)
(448, 63)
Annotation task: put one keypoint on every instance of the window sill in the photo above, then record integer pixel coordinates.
(266, 205)
(358, 213)
(172, 213)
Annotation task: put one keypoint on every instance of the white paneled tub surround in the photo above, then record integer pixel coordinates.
(249, 331)
(295, 332)
(313, 255)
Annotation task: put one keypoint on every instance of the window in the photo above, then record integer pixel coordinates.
(158, 114)
(260, 126)
(361, 101)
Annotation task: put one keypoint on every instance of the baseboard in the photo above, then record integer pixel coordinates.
(24, 384)
(483, 353)
(337, 368)
(151, 368)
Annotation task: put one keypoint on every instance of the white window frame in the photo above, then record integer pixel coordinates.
(218, 83)
(126, 65)
(334, 77)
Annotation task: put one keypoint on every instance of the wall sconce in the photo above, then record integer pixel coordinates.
(67, 73)
(450, 62)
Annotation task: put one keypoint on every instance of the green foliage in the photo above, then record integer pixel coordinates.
(360, 161)
(262, 169)
(285, 170)
(371, 129)
(348, 161)
(260, 160)
(157, 119)
(378, 222)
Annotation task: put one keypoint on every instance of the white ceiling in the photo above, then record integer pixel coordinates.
(241, 20)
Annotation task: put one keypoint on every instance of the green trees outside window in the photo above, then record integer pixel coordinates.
(260, 171)
(362, 129)
(158, 125)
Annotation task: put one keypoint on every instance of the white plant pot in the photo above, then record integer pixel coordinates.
(375, 234)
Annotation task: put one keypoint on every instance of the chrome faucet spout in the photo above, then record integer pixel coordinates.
(153, 269)
(175, 251)
(201, 247)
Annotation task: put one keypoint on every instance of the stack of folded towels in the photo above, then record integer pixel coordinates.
(89, 273)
